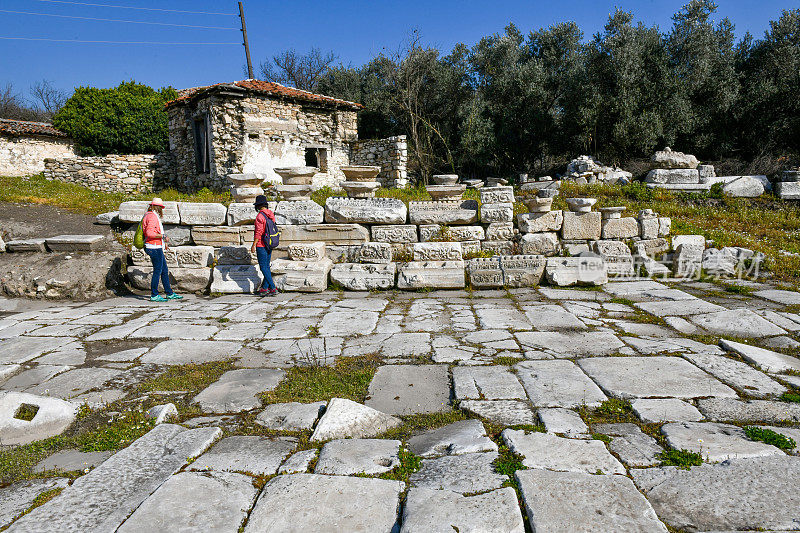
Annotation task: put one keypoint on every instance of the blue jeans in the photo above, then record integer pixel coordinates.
(160, 270)
(264, 257)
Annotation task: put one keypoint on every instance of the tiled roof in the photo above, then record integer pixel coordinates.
(24, 127)
(264, 87)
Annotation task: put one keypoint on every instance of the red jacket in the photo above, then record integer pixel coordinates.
(151, 228)
(261, 226)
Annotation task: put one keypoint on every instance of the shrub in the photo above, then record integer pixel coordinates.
(128, 119)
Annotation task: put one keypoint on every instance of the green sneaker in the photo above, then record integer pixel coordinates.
(158, 298)
(174, 296)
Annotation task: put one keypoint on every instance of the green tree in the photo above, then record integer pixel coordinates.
(128, 119)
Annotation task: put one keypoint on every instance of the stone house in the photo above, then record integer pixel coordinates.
(24, 146)
(253, 126)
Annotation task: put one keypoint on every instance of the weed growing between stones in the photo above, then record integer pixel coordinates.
(738, 289)
(683, 459)
(348, 377)
(613, 410)
(793, 397)
(621, 301)
(767, 436)
(409, 463)
(190, 378)
(420, 423)
(505, 360)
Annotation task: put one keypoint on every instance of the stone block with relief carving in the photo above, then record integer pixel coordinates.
(299, 212)
(567, 271)
(437, 251)
(431, 274)
(304, 276)
(540, 222)
(366, 210)
(242, 213)
(506, 271)
(444, 212)
(357, 277)
(235, 255)
(540, 244)
(498, 247)
(497, 213)
(140, 258)
(437, 232)
(134, 212)
(178, 257)
(497, 195)
(202, 214)
(395, 234)
(375, 252)
(500, 231)
(306, 251)
(617, 257)
(332, 234)
(233, 279)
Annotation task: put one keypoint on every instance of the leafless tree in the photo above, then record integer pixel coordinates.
(302, 71)
(47, 99)
(12, 105)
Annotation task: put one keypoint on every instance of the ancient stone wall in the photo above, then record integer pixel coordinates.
(391, 154)
(25, 155)
(113, 173)
(259, 133)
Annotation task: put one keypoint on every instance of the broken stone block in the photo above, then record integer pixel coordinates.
(27, 418)
(233, 279)
(348, 419)
(787, 190)
(464, 474)
(616, 256)
(687, 261)
(715, 442)
(582, 226)
(675, 175)
(306, 251)
(540, 222)
(26, 245)
(540, 243)
(347, 457)
(719, 262)
(443, 212)
(135, 211)
(745, 187)
(543, 450)
(75, 243)
(620, 228)
(260, 456)
(670, 159)
(106, 219)
(567, 271)
(299, 212)
(498, 231)
(330, 234)
(236, 390)
(375, 252)
(304, 276)
(437, 251)
(292, 416)
(162, 413)
(440, 510)
(395, 234)
(356, 277)
(365, 210)
(464, 436)
(431, 274)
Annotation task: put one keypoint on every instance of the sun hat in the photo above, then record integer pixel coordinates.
(261, 200)
(157, 202)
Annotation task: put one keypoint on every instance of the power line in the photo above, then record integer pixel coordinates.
(107, 42)
(115, 20)
(138, 8)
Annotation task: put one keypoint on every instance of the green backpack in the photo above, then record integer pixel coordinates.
(138, 239)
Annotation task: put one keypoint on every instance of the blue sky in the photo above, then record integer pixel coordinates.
(354, 30)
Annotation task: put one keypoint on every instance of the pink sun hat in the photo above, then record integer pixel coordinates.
(158, 202)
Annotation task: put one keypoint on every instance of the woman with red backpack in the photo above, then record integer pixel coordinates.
(265, 240)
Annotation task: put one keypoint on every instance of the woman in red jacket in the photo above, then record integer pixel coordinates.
(154, 246)
(264, 219)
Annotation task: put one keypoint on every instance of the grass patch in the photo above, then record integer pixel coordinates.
(683, 459)
(415, 424)
(38, 190)
(409, 463)
(767, 436)
(348, 378)
(508, 462)
(733, 288)
(621, 301)
(191, 378)
(612, 410)
(793, 397)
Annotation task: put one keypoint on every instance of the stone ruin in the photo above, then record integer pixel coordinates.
(362, 242)
(683, 172)
(789, 186)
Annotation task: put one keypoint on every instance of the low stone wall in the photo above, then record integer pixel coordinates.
(391, 154)
(25, 155)
(113, 173)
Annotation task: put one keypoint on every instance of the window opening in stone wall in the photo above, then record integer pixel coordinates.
(317, 157)
(202, 144)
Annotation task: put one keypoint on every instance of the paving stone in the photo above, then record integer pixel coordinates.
(560, 420)
(737, 323)
(715, 442)
(658, 376)
(260, 456)
(733, 495)
(719, 409)
(467, 473)
(779, 296)
(573, 501)
(648, 346)
(175, 352)
(506, 412)
(571, 344)
(410, 389)
(219, 502)
(70, 354)
(162, 413)
(6, 371)
(32, 377)
(75, 382)
(23, 349)
(299, 462)
(498, 317)
(486, 383)
(428, 510)
(340, 504)
(17, 498)
(766, 359)
(558, 384)
(236, 390)
(543, 450)
(358, 456)
(737, 374)
(552, 318)
(631, 444)
(346, 323)
(683, 307)
(174, 330)
(347, 419)
(102, 499)
(292, 416)
(70, 460)
(655, 410)
(464, 436)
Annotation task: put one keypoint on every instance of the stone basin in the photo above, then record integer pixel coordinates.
(296, 175)
(538, 204)
(446, 192)
(245, 194)
(295, 192)
(360, 173)
(581, 205)
(612, 212)
(445, 179)
(360, 189)
(246, 180)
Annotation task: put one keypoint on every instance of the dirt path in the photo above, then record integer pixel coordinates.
(24, 221)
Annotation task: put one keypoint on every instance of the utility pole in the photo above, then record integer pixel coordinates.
(245, 43)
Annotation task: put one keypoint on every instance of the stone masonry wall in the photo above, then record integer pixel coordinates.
(113, 173)
(391, 154)
(23, 156)
(255, 135)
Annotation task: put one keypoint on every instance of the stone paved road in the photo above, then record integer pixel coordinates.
(526, 367)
